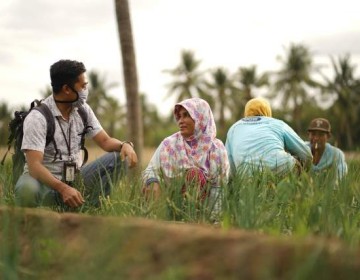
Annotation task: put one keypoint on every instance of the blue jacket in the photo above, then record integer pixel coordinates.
(331, 158)
(265, 142)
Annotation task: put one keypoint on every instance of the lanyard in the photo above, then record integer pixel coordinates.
(68, 143)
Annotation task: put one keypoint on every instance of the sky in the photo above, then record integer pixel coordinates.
(228, 33)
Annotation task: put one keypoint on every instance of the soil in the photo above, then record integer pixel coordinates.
(41, 244)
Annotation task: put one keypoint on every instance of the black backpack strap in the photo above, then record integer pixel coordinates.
(84, 117)
(35, 104)
(50, 121)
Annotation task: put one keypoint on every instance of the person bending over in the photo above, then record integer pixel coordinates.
(259, 142)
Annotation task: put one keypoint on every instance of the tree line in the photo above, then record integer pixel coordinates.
(300, 88)
(298, 92)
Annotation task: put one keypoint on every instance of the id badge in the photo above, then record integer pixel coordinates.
(69, 171)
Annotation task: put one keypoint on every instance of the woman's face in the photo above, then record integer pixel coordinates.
(185, 122)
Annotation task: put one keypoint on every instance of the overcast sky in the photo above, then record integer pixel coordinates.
(228, 33)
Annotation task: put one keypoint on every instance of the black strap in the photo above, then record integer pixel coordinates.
(50, 122)
(84, 117)
(57, 151)
(68, 143)
(35, 103)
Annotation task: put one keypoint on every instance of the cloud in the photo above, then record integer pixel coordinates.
(337, 44)
(54, 18)
(227, 33)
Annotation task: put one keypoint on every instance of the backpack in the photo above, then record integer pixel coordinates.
(16, 135)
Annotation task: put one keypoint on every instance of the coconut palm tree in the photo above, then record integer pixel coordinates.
(345, 87)
(221, 85)
(101, 103)
(98, 93)
(246, 81)
(134, 114)
(156, 127)
(294, 79)
(188, 80)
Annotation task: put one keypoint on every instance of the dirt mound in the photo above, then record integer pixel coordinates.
(39, 244)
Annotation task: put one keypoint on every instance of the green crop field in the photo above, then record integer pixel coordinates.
(295, 206)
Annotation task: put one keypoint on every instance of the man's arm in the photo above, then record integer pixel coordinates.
(109, 144)
(297, 147)
(152, 191)
(342, 168)
(38, 171)
(150, 176)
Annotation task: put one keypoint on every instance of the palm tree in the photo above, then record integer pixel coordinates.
(247, 79)
(222, 85)
(293, 80)
(346, 107)
(115, 120)
(188, 80)
(156, 127)
(98, 97)
(130, 76)
(101, 103)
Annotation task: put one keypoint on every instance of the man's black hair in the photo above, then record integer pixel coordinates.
(65, 72)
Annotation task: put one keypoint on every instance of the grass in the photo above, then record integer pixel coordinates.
(296, 206)
(292, 206)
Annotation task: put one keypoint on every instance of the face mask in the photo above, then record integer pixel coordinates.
(83, 95)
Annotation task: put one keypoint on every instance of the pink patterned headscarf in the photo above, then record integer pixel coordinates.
(202, 150)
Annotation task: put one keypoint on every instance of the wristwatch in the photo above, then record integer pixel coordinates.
(126, 142)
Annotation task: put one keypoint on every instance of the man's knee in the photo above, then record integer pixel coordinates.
(111, 163)
(113, 158)
(26, 191)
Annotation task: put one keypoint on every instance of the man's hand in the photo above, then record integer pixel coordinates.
(128, 151)
(72, 197)
(37, 170)
(111, 144)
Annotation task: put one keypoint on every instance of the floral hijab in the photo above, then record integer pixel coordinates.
(202, 150)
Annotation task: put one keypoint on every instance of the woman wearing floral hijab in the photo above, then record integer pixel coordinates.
(193, 154)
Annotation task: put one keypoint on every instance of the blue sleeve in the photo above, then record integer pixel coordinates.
(296, 146)
(229, 152)
(151, 173)
(341, 164)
